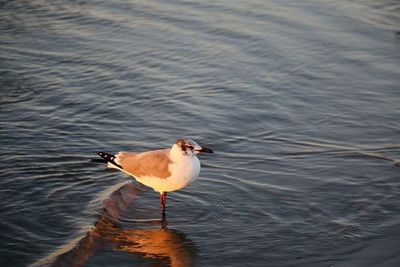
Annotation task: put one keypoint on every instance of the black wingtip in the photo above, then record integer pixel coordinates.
(108, 158)
(101, 154)
(102, 160)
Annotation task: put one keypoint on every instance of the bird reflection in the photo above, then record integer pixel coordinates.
(158, 243)
(162, 244)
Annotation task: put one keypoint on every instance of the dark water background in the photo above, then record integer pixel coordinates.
(299, 99)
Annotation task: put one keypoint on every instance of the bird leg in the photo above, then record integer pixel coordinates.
(164, 222)
(163, 202)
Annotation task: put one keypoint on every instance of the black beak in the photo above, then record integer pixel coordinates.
(205, 150)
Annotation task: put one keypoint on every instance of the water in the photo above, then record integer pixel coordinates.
(299, 99)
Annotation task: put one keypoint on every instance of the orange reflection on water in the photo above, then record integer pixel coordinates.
(165, 247)
(156, 243)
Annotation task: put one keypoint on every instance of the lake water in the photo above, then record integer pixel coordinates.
(299, 99)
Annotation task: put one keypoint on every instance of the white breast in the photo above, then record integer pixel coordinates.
(183, 172)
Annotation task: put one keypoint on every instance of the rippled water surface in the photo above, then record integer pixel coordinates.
(299, 99)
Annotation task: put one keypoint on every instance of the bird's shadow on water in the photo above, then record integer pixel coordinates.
(154, 242)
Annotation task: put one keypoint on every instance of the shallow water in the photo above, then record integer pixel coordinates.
(299, 99)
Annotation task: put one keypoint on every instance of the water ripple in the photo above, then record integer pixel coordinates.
(298, 99)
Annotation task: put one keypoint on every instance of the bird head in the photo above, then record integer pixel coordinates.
(190, 147)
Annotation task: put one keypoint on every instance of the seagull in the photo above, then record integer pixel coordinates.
(164, 170)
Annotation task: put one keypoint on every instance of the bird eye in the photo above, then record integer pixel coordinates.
(191, 147)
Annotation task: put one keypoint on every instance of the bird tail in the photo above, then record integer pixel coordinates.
(108, 159)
